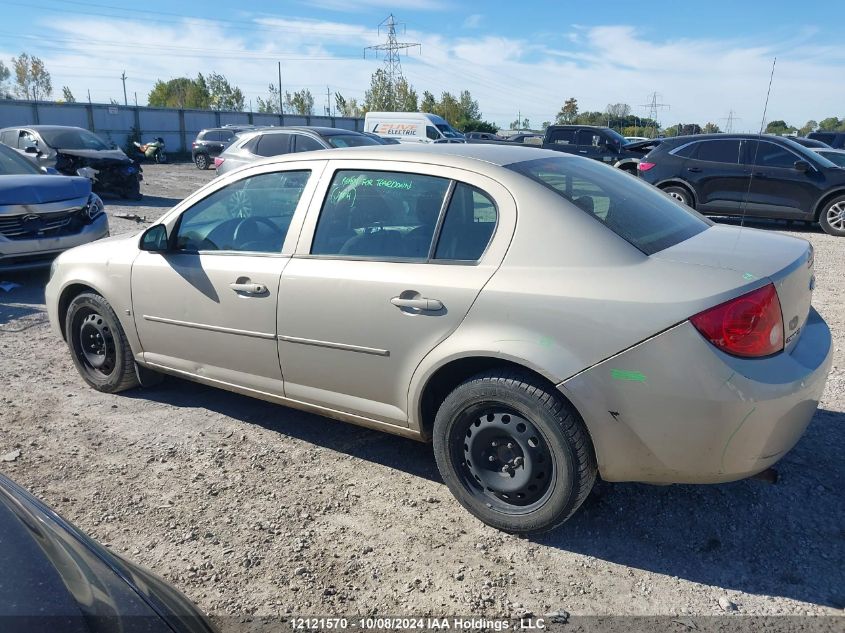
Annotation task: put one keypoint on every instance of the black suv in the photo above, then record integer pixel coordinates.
(599, 143)
(713, 174)
(834, 139)
(211, 142)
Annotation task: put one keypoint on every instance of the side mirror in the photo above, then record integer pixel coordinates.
(31, 149)
(802, 165)
(51, 171)
(154, 239)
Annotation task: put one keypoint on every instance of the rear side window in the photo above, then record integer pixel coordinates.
(726, 151)
(687, 151)
(226, 136)
(562, 137)
(468, 226)
(9, 137)
(380, 215)
(632, 209)
(273, 145)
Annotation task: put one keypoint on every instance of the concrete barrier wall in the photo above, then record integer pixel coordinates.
(177, 127)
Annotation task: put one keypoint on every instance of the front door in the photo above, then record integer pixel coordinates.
(778, 190)
(396, 260)
(208, 305)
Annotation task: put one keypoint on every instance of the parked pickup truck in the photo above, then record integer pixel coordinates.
(600, 143)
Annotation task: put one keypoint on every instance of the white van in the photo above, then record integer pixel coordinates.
(412, 127)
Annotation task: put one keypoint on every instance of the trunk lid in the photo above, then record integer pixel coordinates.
(754, 254)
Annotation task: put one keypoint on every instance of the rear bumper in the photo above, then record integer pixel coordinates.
(674, 409)
(35, 253)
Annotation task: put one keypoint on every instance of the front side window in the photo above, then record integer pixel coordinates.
(379, 214)
(588, 138)
(765, 154)
(304, 143)
(27, 139)
(250, 215)
(726, 151)
(13, 164)
(468, 226)
(632, 209)
(273, 145)
(431, 132)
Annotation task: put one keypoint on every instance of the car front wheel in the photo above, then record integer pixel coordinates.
(513, 452)
(98, 344)
(832, 217)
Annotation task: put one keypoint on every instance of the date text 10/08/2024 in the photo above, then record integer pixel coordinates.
(421, 624)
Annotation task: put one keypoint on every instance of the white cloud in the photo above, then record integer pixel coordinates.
(473, 21)
(701, 78)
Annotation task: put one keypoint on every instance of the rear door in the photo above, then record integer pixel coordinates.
(392, 256)
(561, 140)
(778, 190)
(720, 180)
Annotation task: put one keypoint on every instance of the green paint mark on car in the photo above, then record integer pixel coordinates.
(624, 374)
(748, 276)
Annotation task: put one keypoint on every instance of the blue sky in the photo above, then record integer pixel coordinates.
(704, 59)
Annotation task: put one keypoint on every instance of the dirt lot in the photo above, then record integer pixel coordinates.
(255, 509)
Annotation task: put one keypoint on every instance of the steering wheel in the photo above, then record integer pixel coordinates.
(251, 224)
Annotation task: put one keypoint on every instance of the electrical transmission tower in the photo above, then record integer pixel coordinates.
(729, 121)
(392, 65)
(653, 107)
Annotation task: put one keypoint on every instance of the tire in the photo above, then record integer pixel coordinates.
(98, 344)
(513, 453)
(202, 161)
(832, 217)
(681, 194)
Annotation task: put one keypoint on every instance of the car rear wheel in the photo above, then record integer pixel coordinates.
(98, 344)
(681, 194)
(514, 453)
(202, 161)
(832, 217)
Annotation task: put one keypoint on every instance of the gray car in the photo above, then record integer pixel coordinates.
(542, 317)
(252, 146)
(43, 214)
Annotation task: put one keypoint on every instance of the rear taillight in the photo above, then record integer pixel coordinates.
(750, 326)
(644, 166)
(218, 161)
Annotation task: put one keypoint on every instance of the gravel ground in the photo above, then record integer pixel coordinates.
(254, 509)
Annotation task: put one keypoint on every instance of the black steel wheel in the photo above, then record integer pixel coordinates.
(506, 458)
(513, 451)
(98, 344)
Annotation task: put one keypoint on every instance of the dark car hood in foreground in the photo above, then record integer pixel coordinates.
(115, 155)
(37, 189)
(54, 578)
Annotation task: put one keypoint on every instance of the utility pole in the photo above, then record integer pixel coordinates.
(392, 48)
(123, 78)
(328, 102)
(281, 110)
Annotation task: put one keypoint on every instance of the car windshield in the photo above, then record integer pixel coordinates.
(617, 137)
(13, 164)
(837, 158)
(72, 138)
(350, 140)
(447, 131)
(634, 210)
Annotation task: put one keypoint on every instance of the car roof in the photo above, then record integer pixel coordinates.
(449, 154)
(322, 131)
(46, 128)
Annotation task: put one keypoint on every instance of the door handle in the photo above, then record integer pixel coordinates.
(420, 303)
(760, 174)
(695, 170)
(582, 151)
(248, 288)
